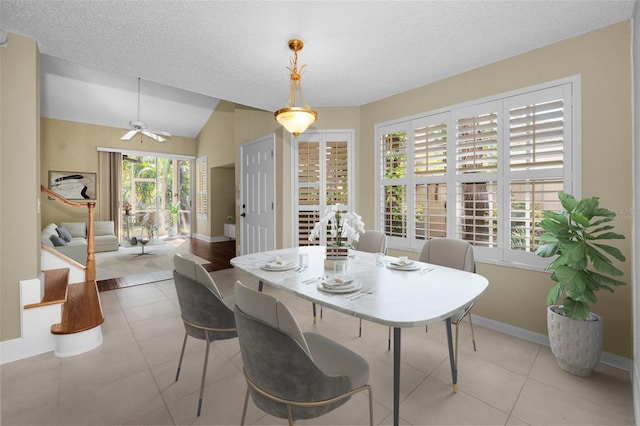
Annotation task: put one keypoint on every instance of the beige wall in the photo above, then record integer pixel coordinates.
(70, 146)
(19, 176)
(602, 58)
(222, 194)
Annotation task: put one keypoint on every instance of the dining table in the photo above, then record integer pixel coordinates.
(398, 293)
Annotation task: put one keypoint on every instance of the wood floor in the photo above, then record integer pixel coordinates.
(219, 256)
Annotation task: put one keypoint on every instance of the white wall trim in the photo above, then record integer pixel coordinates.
(541, 339)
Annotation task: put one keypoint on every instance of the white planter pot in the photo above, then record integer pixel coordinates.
(576, 344)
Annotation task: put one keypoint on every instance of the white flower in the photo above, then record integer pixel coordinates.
(340, 223)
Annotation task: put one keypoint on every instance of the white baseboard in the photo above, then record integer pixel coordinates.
(208, 239)
(542, 339)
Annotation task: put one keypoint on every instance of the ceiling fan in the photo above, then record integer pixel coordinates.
(138, 126)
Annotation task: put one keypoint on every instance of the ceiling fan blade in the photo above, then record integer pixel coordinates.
(163, 133)
(129, 135)
(153, 135)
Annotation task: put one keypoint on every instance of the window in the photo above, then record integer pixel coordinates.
(202, 188)
(483, 171)
(322, 177)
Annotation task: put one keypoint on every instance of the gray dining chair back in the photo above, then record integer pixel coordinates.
(291, 374)
(372, 241)
(449, 252)
(206, 314)
(456, 254)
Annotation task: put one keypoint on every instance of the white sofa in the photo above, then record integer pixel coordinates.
(76, 247)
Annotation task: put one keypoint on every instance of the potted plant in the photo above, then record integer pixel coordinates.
(173, 219)
(582, 267)
(343, 227)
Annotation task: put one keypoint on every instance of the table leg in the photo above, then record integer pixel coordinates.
(452, 360)
(396, 375)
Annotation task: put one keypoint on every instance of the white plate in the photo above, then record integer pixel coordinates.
(349, 288)
(277, 268)
(335, 282)
(402, 264)
(410, 267)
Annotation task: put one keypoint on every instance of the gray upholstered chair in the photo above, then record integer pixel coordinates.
(291, 374)
(457, 254)
(372, 241)
(206, 314)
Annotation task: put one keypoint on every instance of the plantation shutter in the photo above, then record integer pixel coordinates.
(202, 188)
(429, 175)
(536, 143)
(322, 179)
(394, 157)
(477, 169)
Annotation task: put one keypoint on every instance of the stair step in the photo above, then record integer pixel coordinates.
(55, 288)
(81, 311)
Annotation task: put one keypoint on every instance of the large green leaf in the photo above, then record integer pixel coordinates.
(605, 280)
(547, 250)
(588, 207)
(572, 279)
(555, 216)
(601, 229)
(554, 294)
(568, 201)
(602, 212)
(601, 263)
(609, 236)
(554, 227)
(587, 295)
(574, 251)
(601, 221)
(575, 309)
(580, 219)
(613, 251)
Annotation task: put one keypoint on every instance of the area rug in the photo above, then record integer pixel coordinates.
(128, 261)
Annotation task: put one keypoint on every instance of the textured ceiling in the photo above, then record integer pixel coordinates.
(357, 51)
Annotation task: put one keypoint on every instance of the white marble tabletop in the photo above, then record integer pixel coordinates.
(401, 298)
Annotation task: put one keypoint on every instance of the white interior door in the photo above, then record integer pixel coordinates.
(257, 231)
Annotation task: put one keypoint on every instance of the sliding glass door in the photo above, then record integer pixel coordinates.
(158, 191)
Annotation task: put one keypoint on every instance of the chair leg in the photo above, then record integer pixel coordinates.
(360, 328)
(389, 339)
(290, 414)
(313, 307)
(370, 406)
(244, 409)
(320, 311)
(473, 336)
(184, 345)
(204, 374)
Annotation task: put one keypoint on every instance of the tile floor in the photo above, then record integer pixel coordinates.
(130, 378)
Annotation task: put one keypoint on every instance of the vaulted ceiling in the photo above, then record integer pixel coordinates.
(191, 54)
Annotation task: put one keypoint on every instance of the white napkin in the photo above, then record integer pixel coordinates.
(336, 282)
(277, 264)
(402, 263)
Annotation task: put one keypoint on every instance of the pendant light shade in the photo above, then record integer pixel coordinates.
(296, 117)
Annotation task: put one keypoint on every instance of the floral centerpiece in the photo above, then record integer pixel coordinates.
(126, 206)
(344, 226)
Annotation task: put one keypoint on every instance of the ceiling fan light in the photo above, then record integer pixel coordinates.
(296, 119)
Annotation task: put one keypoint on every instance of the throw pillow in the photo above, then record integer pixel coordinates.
(64, 233)
(57, 241)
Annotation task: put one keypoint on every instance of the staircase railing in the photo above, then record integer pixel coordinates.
(90, 272)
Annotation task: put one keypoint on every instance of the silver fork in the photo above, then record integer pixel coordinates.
(360, 294)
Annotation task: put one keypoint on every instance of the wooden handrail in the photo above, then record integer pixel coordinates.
(90, 271)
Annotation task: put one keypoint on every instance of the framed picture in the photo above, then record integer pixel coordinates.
(73, 185)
